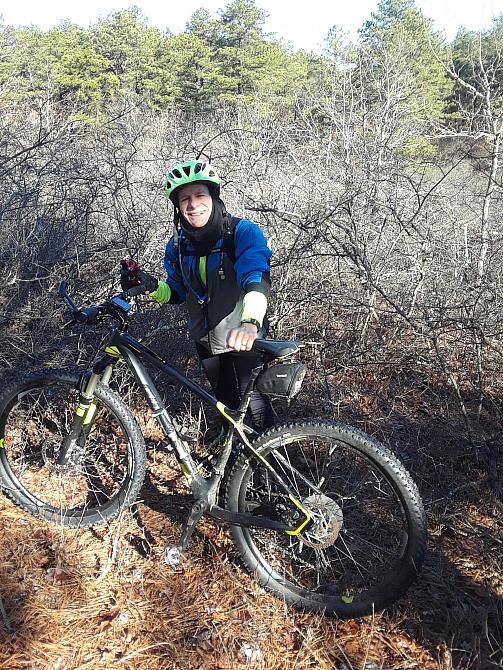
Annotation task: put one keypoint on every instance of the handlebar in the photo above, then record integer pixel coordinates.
(116, 307)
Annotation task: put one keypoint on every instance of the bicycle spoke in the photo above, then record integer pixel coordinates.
(96, 470)
(356, 537)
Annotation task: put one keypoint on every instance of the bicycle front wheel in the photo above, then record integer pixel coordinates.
(105, 470)
(366, 542)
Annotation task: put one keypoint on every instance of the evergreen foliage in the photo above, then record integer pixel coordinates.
(399, 38)
(228, 59)
(477, 69)
(223, 59)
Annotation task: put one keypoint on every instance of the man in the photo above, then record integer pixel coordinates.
(219, 266)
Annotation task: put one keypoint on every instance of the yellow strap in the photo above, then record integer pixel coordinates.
(304, 523)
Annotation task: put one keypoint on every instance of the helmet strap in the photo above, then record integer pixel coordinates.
(176, 222)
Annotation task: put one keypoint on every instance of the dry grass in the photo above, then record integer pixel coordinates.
(104, 599)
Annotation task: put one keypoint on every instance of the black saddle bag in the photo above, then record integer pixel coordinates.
(282, 379)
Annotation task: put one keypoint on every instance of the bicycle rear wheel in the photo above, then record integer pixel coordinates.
(105, 470)
(367, 540)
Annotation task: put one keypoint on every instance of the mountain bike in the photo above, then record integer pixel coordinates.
(323, 515)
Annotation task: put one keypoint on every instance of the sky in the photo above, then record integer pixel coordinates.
(303, 23)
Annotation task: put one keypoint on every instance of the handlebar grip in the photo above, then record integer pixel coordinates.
(87, 315)
(135, 290)
(116, 307)
(63, 292)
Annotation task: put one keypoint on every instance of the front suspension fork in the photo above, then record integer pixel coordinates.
(85, 416)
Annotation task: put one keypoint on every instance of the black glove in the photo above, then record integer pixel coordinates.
(134, 280)
(148, 282)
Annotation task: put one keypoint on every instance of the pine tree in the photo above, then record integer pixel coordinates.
(401, 41)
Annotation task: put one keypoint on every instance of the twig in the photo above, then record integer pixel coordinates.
(492, 469)
(122, 659)
(4, 616)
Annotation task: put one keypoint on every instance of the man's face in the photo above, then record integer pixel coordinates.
(195, 204)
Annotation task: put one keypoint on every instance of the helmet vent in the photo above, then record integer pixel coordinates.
(188, 172)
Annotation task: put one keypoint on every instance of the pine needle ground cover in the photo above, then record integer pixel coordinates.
(103, 598)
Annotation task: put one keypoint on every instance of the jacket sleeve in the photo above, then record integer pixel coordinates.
(252, 269)
(252, 258)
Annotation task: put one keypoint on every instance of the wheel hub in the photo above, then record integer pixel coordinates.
(327, 518)
(50, 454)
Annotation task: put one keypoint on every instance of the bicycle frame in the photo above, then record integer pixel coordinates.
(204, 490)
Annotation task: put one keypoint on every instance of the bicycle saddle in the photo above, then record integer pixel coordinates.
(278, 348)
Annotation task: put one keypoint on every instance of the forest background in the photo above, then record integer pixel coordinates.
(375, 171)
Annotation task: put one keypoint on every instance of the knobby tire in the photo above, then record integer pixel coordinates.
(104, 474)
(368, 540)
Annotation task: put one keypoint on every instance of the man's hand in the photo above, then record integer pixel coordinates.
(129, 274)
(135, 280)
(242, 338)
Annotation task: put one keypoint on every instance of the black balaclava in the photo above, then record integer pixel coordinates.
(204, 238)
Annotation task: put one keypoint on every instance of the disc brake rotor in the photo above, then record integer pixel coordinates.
(327, 518)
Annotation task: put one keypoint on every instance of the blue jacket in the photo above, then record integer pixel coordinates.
(213, 286)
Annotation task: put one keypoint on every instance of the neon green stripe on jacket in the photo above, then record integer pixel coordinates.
(202, 269)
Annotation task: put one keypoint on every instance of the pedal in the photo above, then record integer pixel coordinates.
(172, 555)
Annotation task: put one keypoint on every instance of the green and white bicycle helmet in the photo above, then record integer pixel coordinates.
(190, 172)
